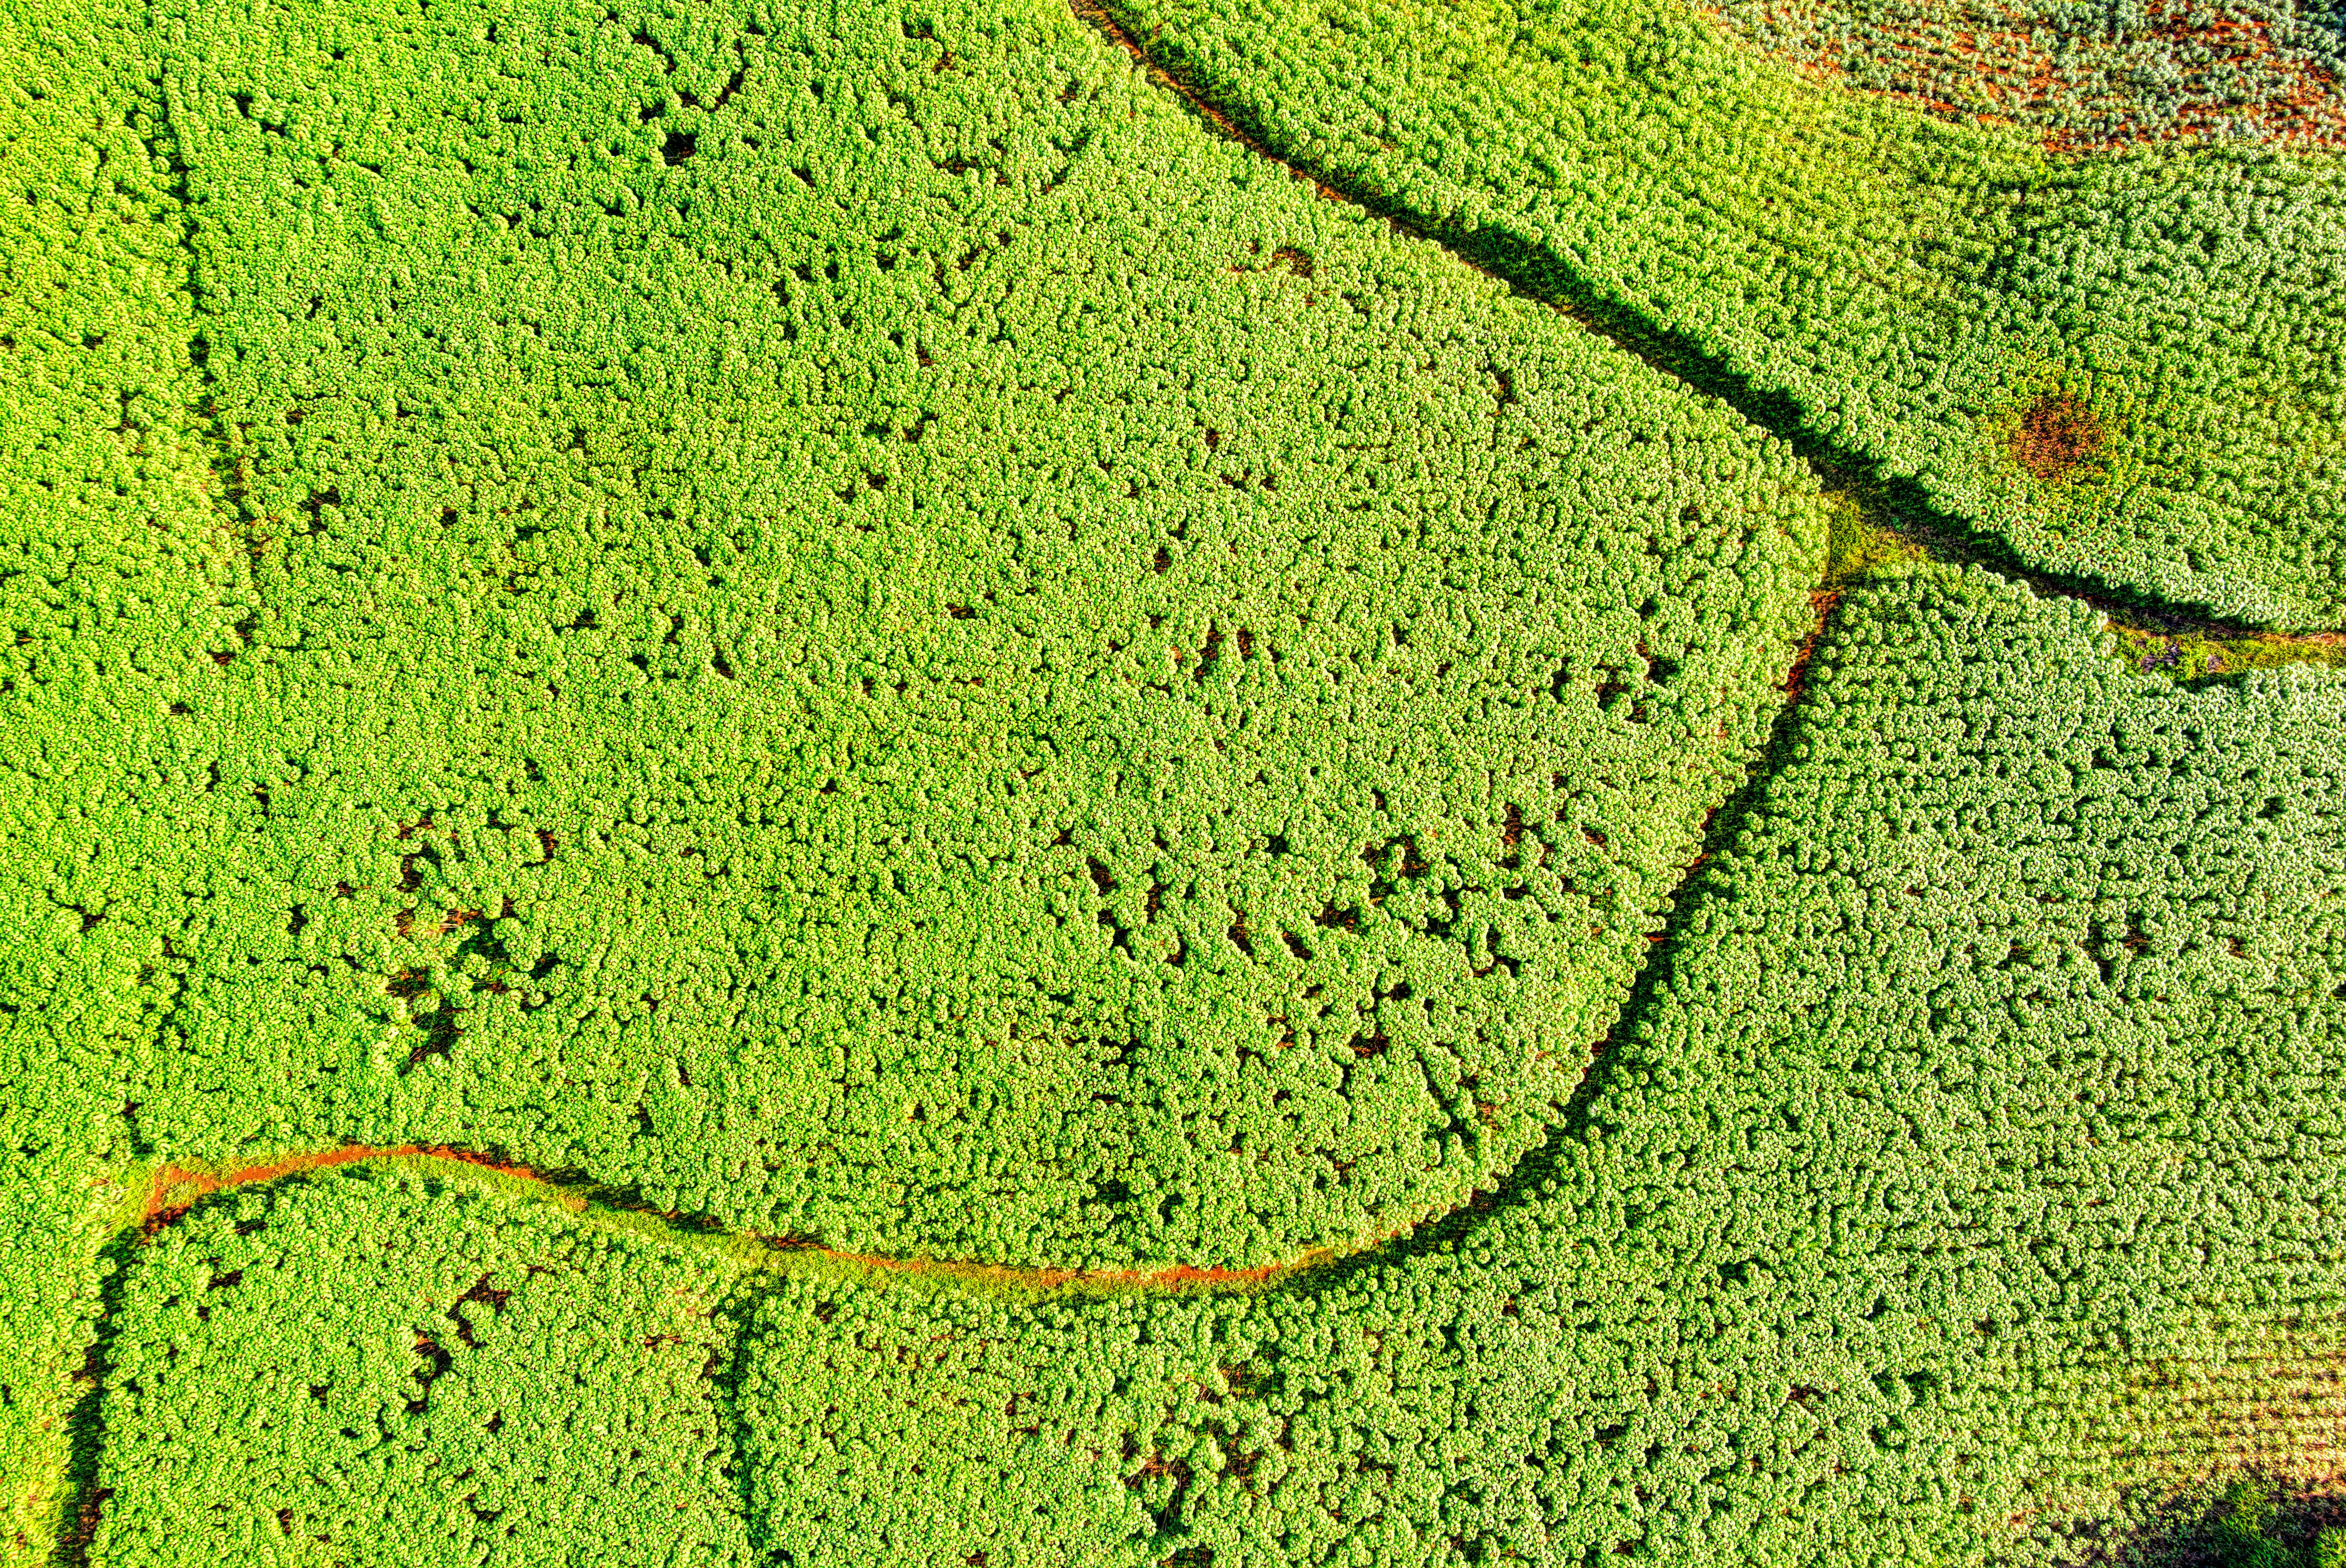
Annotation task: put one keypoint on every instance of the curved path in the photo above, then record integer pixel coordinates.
(172, 1191)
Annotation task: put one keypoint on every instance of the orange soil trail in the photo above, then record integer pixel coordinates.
(176, 1189)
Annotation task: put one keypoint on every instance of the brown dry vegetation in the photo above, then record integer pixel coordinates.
(2057, 435)
(2085, 93)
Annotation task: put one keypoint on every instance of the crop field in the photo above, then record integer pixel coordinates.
(1185, 783)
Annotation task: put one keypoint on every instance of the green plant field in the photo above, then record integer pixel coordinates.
(1967, 1185)
(1010, 901)
(878, 783)
(106, 536)
(2124, 370)
(370, 1367)
(1125, 814)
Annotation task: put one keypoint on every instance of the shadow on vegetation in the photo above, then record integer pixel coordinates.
(1897, 505)
(725, 1372)
(84, 1502)
(1520, 1183)
(2251, 1521)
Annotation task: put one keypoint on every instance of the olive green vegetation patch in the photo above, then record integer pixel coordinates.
(2130, 369)
(1854, 546)
(845, 618)
(374, 1367)
(1965, 1178)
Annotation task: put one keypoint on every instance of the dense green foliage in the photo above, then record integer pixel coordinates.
(928, 657)
(839, 617)
(375, 1368)
(107, 561)
(848, 619)
(2129, 370)
(1991, 1085)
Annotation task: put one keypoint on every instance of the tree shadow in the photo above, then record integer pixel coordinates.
(82, 1505)
(2250, 1521)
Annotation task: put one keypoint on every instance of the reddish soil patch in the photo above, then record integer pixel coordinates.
(2182, 70)
(1821, 609)
(2056, 436)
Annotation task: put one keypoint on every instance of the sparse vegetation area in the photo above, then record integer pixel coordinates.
(1196, 784)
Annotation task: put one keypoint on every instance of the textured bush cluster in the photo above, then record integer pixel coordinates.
(838, 618)
(849, 621)
(2127, 369)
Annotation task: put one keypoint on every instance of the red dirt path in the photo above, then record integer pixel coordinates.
(176, 1189)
